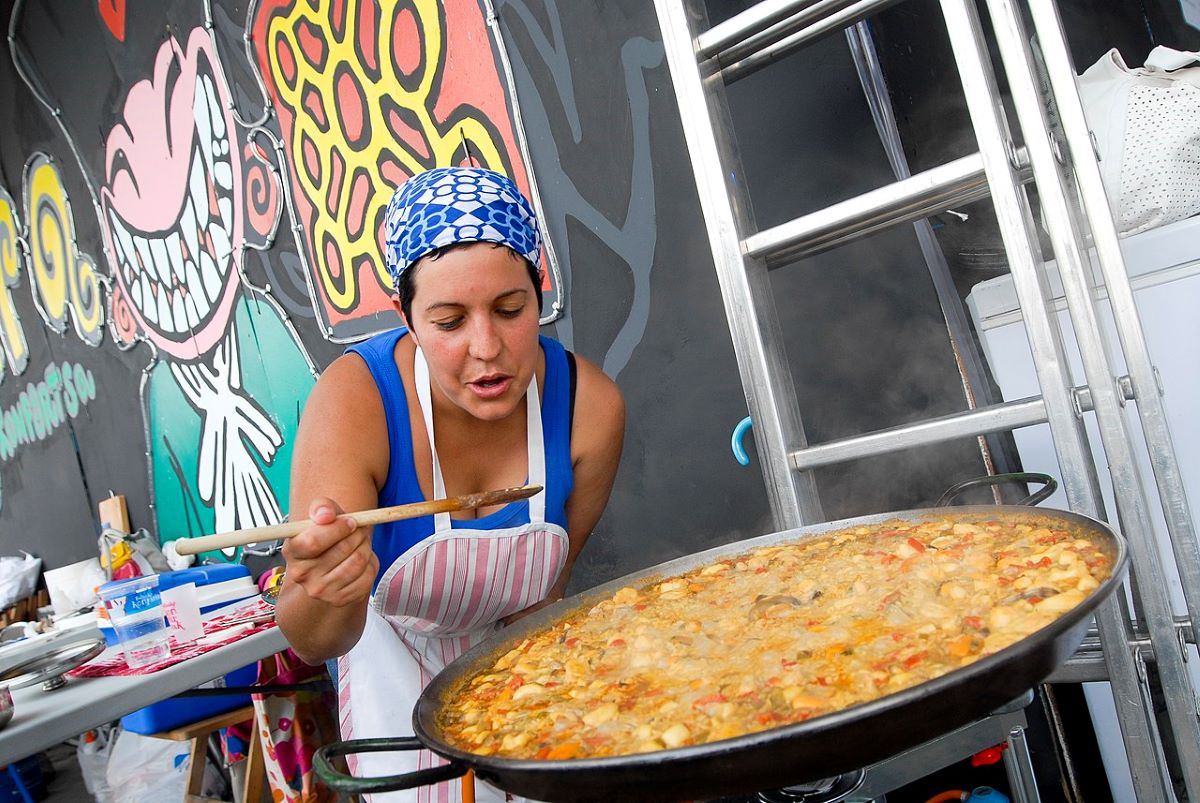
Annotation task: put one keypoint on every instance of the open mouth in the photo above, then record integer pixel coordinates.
(491, 387)
(175, 277)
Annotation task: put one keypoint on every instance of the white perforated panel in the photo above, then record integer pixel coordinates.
(1160, 171)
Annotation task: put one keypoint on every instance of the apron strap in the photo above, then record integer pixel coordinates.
(535, 443)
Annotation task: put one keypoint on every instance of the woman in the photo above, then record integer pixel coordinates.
(466, 397)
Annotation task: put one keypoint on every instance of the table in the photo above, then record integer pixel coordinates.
(42, 719)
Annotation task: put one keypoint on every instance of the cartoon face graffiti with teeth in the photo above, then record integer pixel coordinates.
(177, 202)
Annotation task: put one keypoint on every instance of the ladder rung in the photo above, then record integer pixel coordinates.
(783, 38)
(749, 30)
(995, 418)
(913, 198)
(1087, 664)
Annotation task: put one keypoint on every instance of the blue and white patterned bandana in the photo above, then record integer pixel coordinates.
(449, 205)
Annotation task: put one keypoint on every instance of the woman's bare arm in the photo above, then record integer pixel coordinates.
(339, 463)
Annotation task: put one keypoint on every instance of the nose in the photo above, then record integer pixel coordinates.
(485, 344)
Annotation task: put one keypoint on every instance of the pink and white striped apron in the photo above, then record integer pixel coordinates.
(438, 599)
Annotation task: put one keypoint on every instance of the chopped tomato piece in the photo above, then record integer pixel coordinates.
(710, 699)
(564, 750)
(960, 647)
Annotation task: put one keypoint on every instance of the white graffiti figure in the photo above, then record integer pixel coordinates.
(229, 478)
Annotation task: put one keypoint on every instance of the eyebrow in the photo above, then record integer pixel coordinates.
(507, 294)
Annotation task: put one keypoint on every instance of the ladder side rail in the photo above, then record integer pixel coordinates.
(1057, 192)
(1001, 417)
(1150, 408)
(745, 286)
(1079, 476)
(771, 53)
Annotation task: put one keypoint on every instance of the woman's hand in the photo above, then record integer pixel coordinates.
(332, 560)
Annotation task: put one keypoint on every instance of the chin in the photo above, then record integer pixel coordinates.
(491, 409)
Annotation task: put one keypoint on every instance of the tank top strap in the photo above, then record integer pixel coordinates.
(378, 353)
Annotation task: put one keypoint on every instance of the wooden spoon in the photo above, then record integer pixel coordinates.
(253, 535)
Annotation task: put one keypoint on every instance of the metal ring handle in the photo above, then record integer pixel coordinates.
(735, 442)
(1049, 486)
(341, 782)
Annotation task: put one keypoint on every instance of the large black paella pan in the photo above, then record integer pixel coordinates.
(793, 753)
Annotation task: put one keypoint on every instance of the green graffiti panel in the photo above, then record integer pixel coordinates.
(190, 484)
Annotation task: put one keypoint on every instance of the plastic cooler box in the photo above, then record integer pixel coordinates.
(217, 585)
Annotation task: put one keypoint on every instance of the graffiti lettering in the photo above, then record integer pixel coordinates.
(44, 406)
(12, 336)
(65, 280)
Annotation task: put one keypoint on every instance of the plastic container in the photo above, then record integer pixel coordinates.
(136, 612)
(216, 586)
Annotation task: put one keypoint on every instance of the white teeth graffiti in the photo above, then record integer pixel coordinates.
(176, 276)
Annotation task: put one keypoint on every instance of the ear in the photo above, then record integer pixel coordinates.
(404, 320)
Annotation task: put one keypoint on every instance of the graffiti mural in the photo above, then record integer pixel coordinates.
(42, 407)
(629, 231)
(201, 129)
(65, 279)
(367, 94)
(12, 262)
(183, 191)
(178, 212)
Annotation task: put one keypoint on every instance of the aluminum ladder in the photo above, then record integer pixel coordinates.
(1057, 156)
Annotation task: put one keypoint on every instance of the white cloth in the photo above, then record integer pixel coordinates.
(438, 599)
(1146, 125)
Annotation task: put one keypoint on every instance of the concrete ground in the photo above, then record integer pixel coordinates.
(67, 785)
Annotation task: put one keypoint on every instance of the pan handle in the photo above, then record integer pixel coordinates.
(341, 782)
(1049, 486)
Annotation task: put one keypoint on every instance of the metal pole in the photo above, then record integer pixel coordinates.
(1150, 409)
(745, 285)
(1078, 472)
(1053, 188)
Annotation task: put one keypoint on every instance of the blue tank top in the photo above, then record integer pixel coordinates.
(393, 539)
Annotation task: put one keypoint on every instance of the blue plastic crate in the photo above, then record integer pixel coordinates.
(174, 712)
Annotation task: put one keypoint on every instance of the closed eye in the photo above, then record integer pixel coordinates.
(449, 325)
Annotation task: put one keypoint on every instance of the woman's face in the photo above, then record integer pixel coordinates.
(475, 316)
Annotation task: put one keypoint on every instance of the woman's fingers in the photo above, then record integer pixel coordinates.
(351, 580)
(332, 559)
(321, 538)
(323, 510)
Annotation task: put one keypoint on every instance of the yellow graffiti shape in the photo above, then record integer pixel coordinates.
(65, 281)
(349, 107)
(16, 349)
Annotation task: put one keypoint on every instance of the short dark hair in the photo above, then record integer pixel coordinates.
(406, 286)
